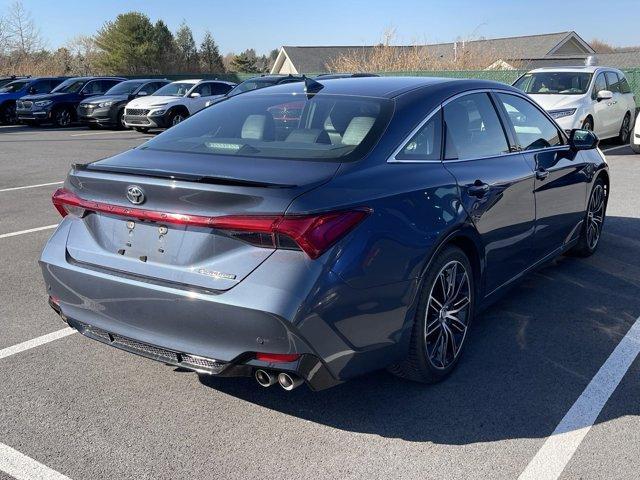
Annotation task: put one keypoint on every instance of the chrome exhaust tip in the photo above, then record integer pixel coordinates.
(289, 382)
(264, 378)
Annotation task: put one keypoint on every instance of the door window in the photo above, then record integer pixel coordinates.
(204, 89)
(424, 145)
(599, 85)
(613, 82)
(220, 88)
(533, 130)
(473, 128)
(43, 86)
(624, 85)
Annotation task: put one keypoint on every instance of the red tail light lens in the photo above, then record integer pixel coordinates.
(278, 357)
(313, 234)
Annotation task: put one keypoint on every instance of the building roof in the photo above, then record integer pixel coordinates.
(629, 59)
(314, 59)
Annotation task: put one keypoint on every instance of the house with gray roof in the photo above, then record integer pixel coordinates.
(531, 51)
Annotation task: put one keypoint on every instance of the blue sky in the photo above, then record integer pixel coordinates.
(265, 25)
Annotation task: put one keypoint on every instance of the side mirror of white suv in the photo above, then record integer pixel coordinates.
(197, 95)
(604, 95)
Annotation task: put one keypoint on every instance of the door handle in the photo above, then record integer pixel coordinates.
(541, 174)
(478, 189)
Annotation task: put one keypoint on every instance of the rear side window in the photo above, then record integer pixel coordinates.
(624, 85)
(533, 129)
(613, 82)
(424, 145)
(473, 128)
(220, 88)
(43, 86)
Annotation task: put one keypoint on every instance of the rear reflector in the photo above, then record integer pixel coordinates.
(313, 234)
(277, 357)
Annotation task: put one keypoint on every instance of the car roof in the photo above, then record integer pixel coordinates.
(189, 80)
(383, 87)
(148, 80)
(218, 81)
(586, 69)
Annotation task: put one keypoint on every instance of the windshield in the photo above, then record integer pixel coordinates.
(69, 86)
(14, 86)
(324, 127)
(554, 83)
(249, 85)
(124, 88)
(175, 89)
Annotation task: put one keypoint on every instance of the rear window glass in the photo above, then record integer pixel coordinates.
(291, 126)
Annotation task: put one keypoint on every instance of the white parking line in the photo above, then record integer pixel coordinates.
(11, 189)
(558, 449)
(31, 230)
(101, 133)
(36, 342)
(614, 148)
(21, 467)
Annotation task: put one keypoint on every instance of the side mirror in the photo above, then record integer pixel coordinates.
(604, 95)
(583, 140)
(142, 94)
(195, 95)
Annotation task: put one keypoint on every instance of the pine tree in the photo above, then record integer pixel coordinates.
(164, 54)
(210, 58)
(186, 48)
(245, 62)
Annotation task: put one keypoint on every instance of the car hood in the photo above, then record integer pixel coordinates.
(557, 102)
(10, 96)
(104, 98)
(152, 101)
(50, 96)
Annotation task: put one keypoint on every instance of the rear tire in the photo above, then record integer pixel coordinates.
(593, 221)
(625, 129)
(444, 313)
(120, 121)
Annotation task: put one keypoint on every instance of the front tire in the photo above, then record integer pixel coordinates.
(443, 316)
(8, 114)
(176, 117)
(63, 117)
(594, 221)
(141, 129)
(587, 124)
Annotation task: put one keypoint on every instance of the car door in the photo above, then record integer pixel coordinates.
(496, 184)
(197, 103)
(618, 105)
(560, 179)
(602, 112)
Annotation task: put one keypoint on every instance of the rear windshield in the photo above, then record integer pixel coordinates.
(554, 83)
(323, 127)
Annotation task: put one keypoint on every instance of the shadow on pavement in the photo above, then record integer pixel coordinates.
(528, 359)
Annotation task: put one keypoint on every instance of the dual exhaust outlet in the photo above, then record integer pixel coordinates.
(285, 380)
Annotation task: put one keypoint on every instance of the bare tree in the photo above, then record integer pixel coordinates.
(23, 36)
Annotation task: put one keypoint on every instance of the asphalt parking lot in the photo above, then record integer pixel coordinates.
(88, 411)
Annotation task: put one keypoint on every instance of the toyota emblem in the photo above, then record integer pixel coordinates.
(135, 194)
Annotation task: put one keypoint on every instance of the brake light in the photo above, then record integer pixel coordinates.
(277, 357)
(313, 234)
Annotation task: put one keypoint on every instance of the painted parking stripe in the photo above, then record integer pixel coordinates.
(558, 449)
(104, 133)
(21, 467)
(31, 230)
(11, 189)
(36, 342)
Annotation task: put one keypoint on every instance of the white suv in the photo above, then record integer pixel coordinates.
(172, 103)
(592, 98)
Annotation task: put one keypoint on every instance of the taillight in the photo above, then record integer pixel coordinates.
(313, 234)
(277, 357)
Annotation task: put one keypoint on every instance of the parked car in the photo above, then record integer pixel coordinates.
(172, 103)
(59, 107)
(256, 83)
(108, 110)
(12, 91)
(591, 98)
(357, 241)
(5, 80)
(635, 138)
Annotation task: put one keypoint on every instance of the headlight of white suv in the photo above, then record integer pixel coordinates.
(43, 103)
(105, 104)
(556, 114)
(157, 111)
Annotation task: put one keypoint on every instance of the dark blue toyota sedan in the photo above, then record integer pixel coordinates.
(364, 228)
